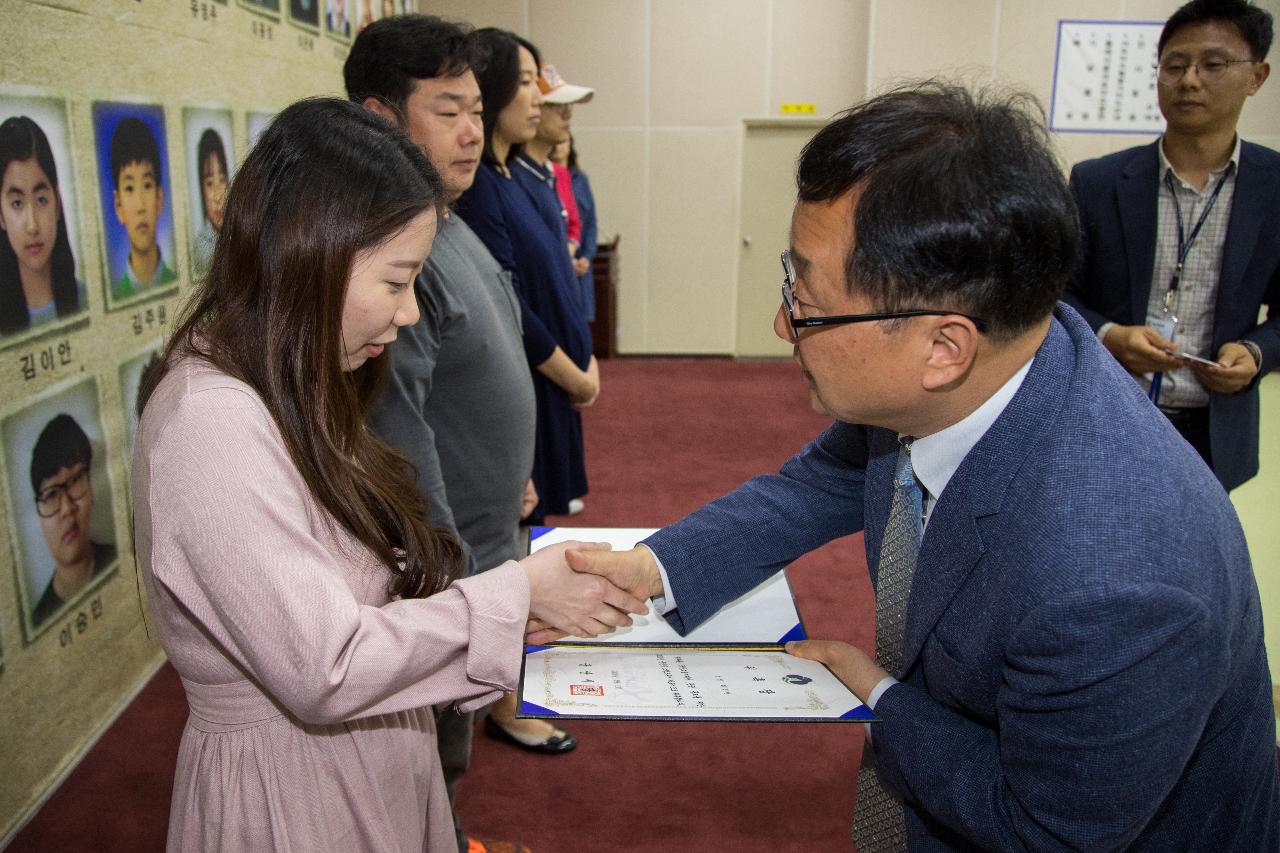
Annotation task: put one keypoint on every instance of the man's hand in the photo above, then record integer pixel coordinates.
(581, 604)
(636, 570)
(1236, 369)
(1141, 349)
(529, 499)
(581, 265)
(849, 663)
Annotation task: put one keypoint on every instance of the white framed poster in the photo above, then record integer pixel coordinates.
(1104, 77)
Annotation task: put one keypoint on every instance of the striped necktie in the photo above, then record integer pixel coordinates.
(878, 822)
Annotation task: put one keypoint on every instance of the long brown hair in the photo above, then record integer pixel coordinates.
(327, 180)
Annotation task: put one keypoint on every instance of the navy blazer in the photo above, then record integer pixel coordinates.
(1117, 197)
(1083, 659)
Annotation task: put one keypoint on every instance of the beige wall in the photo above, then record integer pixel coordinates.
(675, 81)
(662, 141)
(1012, 42)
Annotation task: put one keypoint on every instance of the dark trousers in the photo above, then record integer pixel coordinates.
(453, 739)
(1193, 425)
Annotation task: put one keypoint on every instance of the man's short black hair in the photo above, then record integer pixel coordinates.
(1255, 25)
(133, 142)
(391, 55)
(962, 203)
(61, 444)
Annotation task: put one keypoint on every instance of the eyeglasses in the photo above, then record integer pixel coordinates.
(565, 110)
(798, 323)
(49, 502)
(1170, 72)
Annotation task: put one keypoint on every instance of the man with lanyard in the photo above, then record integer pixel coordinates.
(1181, 242)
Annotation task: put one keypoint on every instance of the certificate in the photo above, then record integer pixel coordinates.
(628, 682)
(766, 614)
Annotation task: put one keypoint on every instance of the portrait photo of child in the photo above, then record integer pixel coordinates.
(60, 502)
(41, 285)
(270, 8)
(210, 159)
(137, 223)
(255, 124)
(305, 13)
(337, 19)
(131, 371)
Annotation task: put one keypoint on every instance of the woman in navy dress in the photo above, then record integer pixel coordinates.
(557, 339)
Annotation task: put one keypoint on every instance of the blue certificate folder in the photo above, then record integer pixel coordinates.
(732, 667)
(682, 682)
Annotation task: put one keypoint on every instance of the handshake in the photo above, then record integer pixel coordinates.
(585, 589)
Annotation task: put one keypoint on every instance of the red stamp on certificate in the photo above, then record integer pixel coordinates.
(586, 689)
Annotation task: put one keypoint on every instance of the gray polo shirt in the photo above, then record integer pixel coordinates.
(459, 403)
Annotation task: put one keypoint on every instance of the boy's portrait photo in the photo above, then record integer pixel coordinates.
(256, 123)
(131, 372)
(41, 287)
(60, 502)
(209, 159)
(137, 224)
(305, 13)
(337, 18)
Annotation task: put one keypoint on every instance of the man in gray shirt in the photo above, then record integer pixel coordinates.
(460, 401)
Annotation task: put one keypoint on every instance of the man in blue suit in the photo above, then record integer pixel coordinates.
(1069, 637)
(1181, 239)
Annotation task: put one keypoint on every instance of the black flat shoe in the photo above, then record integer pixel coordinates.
(555, 745)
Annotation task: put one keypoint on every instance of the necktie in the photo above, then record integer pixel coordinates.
(878, 822)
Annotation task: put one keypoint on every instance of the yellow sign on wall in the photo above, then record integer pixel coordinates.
(798, 109)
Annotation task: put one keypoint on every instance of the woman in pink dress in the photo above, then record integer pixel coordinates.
(295, 585)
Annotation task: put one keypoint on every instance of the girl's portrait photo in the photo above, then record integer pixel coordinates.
(209, 160)
(40, 287)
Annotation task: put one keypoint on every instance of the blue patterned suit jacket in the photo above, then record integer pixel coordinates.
(1117, 196)
(1083, 665)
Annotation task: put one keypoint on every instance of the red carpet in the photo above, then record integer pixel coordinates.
(666, 436)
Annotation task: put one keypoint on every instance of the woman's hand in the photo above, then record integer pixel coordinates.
(591, 388)
(562, 600)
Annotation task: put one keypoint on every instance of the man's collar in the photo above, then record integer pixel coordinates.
(1166, 166)
(936, 457)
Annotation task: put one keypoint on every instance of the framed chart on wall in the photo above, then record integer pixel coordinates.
(42, 280)
(1104, 78)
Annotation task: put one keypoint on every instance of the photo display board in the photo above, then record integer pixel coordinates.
(114, 172)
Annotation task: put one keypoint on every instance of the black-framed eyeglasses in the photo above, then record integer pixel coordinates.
(1170, 72)
(798, 323)
(49, 501)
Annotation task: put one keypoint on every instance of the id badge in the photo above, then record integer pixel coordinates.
(1164, 326)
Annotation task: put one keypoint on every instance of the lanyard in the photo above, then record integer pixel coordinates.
(1185, 243)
